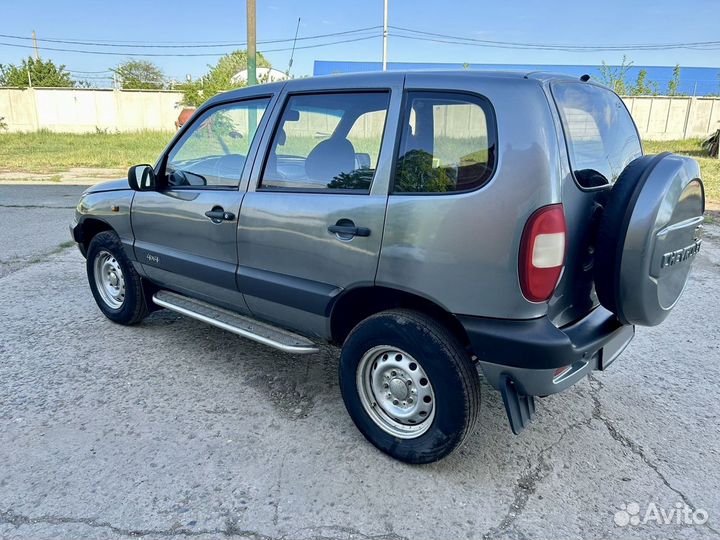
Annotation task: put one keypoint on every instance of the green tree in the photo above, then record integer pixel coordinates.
(139, 75)
(643, 87)
(415, 173)
(218, 78)
(357, 179)
(40, 72)
(674, 83)
(615, 76)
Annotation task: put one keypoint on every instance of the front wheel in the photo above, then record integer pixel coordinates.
(409, 385)
(115, 284)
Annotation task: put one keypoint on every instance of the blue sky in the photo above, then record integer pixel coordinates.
(566, 21)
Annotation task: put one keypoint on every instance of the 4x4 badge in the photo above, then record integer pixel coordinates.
(152, 258)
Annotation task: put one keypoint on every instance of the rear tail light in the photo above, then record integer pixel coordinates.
(542, 253)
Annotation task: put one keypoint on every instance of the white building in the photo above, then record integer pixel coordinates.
(263, 74)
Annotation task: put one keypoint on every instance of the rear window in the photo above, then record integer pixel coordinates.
(601, 136)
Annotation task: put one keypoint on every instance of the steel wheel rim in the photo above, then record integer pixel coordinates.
(109, 279)
(395, 392)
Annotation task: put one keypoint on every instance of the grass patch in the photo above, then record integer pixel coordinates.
(44, 152)
(709, 167)
(59, 249)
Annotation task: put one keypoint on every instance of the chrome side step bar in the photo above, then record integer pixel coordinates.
(246, 327)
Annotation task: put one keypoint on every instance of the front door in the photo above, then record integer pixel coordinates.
(311, 223)
(185, 232)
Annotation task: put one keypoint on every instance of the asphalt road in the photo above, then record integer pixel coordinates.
(174, 428)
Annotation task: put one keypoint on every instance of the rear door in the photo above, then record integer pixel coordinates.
(601, 140)
(311, 223)
(185, 232)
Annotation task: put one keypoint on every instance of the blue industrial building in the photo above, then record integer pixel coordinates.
(698, 81)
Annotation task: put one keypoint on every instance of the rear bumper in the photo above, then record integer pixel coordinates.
(532, 351)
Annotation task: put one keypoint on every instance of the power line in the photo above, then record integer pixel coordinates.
(412, 31)
(214, 55)
(459, 40)
(359, 34)
(197, 45)
(88, 72)
(543, 48)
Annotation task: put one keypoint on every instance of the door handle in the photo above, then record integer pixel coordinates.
(218, 215)
(349, 230)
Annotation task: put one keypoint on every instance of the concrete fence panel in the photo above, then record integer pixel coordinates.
(19, 110)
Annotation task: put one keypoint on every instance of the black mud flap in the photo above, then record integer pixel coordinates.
(519, 407)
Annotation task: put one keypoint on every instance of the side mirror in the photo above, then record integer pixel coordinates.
(362, 160)
(141, 178)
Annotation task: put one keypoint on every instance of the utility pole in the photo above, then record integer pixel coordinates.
(251, 53)
(34, 39)
(385, 36)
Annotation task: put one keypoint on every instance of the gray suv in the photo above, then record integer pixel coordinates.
(434, 225)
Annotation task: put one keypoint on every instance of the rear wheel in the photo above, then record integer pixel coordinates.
(115, 284)
(409, 385)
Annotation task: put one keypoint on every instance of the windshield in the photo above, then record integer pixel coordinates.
(600, 133)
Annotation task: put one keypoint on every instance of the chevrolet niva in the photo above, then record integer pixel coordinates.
(433, 225)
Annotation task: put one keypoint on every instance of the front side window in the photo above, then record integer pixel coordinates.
(447, 144)
(327, 142)
(600, 133)
(213, 151)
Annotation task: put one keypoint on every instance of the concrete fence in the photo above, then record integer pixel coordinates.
(667, 117)
(85, 110)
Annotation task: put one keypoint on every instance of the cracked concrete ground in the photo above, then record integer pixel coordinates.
(177, 429)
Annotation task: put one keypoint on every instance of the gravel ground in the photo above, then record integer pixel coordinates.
(177, 429)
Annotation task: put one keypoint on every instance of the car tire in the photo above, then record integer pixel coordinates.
(116, 286)
(653, 213)
(613, 227)
(409, 385)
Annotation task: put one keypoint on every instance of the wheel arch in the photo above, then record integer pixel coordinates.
(89, 228)
(358, 303)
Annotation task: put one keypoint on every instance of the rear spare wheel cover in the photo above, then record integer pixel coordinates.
(648, 238)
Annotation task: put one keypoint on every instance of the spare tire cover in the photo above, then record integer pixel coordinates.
(648, 237)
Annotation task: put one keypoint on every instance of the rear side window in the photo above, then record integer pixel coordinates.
(600, 133)
(447, 145)
(327, 142)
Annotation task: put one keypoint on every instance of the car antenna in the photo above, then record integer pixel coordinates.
(292, 54)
